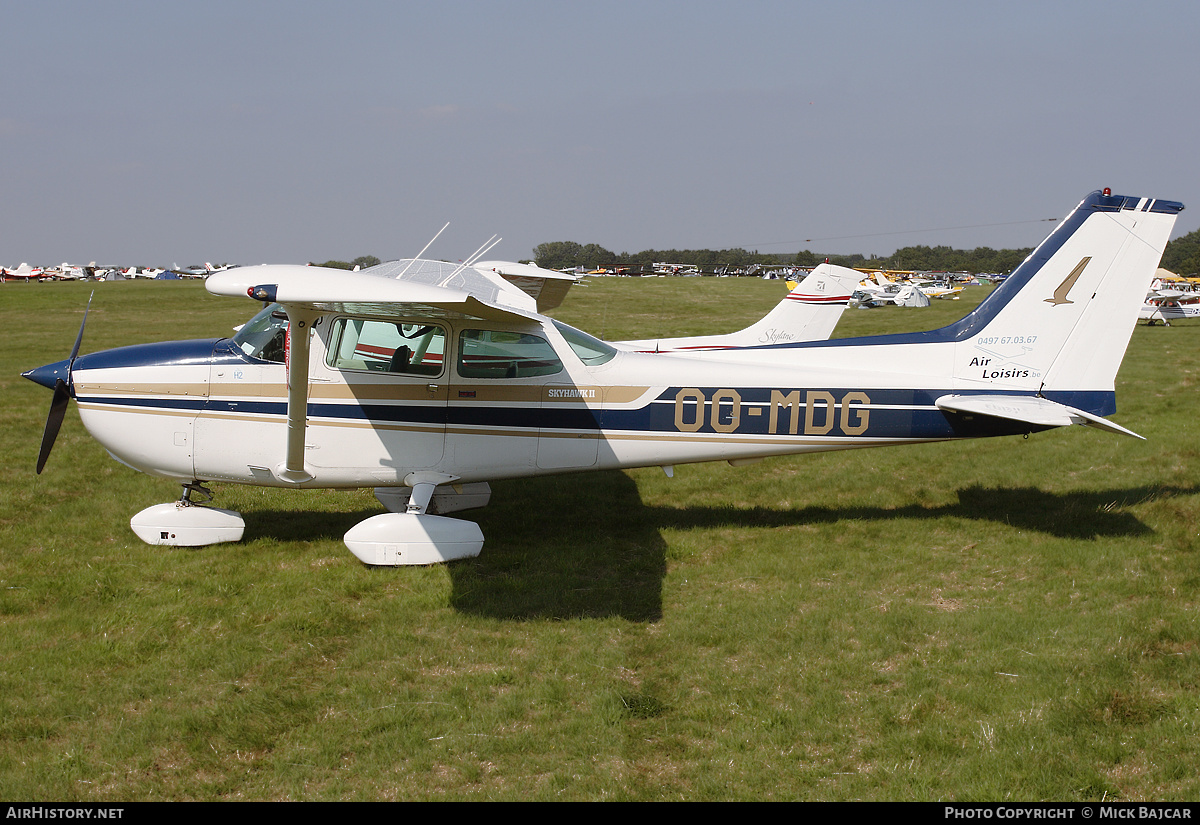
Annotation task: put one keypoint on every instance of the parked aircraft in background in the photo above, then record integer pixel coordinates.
(199, 271)
(24, 272)
(940, 290)
(1169, 301)
(809, 312)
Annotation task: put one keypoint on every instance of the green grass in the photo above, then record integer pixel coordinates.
(1000, 620)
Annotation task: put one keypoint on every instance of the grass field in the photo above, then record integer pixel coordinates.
(1012, 619)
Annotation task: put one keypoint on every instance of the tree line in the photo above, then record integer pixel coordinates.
(571, 255)
(362, 262)
(1182, 256)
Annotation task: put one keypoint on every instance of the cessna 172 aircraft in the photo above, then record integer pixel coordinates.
(426, 380)
(1169, 302)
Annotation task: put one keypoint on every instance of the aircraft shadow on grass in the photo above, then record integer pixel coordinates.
(587, 546)
(612, 555)
(1074, 515)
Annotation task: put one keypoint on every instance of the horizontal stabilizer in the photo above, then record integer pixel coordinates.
(1029, 409)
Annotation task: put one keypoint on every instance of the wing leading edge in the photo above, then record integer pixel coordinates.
(364, 293)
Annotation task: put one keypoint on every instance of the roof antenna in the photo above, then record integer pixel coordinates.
(475, 256)
(479, 253)
(422, 252)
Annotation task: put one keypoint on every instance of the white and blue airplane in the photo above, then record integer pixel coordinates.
(426, 380)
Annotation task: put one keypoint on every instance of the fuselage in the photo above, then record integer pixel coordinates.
(1170, 309)
(488, 400)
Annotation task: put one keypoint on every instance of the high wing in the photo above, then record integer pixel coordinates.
(375, 291)
(1169, 294)
(545, 286)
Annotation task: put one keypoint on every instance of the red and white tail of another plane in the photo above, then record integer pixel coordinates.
(808, 313)
(24, 272)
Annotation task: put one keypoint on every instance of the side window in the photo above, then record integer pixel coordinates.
(591, 351)
(485, 353)
(386, 346)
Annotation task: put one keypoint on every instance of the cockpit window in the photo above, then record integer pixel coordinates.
(263, 335)
(591, 351)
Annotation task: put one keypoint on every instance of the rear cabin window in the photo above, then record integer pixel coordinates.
(387, 346)
(591, 350)
(485, 353)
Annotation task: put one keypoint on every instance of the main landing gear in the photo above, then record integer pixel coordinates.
(414, 536)
(409, 535)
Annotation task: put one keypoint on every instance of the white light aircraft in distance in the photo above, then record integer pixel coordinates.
(427, 380)
(809, 312)
(1168, 302)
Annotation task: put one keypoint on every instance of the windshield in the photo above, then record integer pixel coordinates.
(263, 335)
(591, 351)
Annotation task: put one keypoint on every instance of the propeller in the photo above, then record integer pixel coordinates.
(62, 396)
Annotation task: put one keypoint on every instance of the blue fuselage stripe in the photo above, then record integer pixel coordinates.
(757, 411)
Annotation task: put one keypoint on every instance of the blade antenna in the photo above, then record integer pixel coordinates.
(422, 252)
(492, 241)
(483, 251)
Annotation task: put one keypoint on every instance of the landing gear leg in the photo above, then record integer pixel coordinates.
(193, 488)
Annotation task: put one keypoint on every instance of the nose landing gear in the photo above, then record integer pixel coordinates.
(188, 523)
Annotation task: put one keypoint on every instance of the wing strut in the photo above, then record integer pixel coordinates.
(300, 323)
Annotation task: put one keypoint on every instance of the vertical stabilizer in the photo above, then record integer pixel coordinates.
(809, 312)
(1060, 324)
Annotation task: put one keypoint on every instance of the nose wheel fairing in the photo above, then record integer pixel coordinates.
(178, 524)
(185, 523)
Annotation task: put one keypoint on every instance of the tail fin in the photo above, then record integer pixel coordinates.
(1060, 324)
(808, 313)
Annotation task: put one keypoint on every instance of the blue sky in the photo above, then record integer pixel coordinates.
(142, 133)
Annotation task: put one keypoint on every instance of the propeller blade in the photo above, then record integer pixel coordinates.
(62, 397)
(54, 420)
(79, 337)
